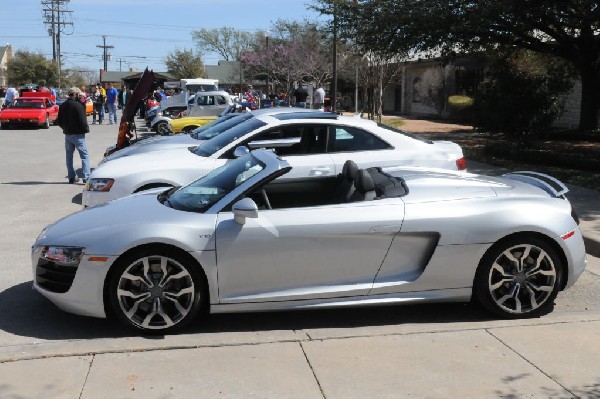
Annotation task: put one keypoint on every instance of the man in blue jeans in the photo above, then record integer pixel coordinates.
(111, 102)
(73, 121)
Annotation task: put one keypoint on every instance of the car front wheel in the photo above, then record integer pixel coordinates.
(155, 291)
(519, 278)
(162, 128)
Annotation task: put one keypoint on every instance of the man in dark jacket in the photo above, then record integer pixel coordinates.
(73, 121)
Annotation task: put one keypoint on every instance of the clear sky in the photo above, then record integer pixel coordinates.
(143, 32)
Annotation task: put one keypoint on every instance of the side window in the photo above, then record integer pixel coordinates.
(348, 138)
(221, 100)
(281, 139)
(204, 100)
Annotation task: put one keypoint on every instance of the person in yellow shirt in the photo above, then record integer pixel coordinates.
(103, 91)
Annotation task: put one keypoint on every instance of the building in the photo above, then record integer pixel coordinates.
(425, 85)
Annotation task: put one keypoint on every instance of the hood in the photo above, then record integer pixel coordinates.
(106, 228)
(154, 144)
(172, 159)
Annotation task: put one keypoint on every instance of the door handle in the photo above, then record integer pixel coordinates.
(320, 171)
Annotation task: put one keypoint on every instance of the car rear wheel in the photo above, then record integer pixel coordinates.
(46, 124)
(155, 291)
(162, 128)
(519, 278)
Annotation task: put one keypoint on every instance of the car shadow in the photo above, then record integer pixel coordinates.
(33, 183)
(26, 313)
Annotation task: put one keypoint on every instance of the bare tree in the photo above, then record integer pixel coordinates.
(228, 42)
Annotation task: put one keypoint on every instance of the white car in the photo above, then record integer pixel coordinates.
(315, 145)
(205, 132)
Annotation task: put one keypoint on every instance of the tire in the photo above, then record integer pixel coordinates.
(156, 291)
(188, 129)
(162, 128)
(519, 278)
(46, 124)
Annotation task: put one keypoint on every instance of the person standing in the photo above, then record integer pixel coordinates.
(300, 94)
(319, 98)
(73, 121)
(98, 102)
(11, 94)
(99, 85)
(112, 94)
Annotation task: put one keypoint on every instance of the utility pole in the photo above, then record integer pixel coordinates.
(105, 54)
(54, 11)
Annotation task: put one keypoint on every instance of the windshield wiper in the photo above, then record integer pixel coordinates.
(164, 196)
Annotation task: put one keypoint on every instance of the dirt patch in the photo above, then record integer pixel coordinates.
(430, 126)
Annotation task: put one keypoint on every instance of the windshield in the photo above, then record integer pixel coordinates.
(219, 125)
(209, 147)
(27, 103)
(208, 190)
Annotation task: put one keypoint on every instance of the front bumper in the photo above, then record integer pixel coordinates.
(85, 295)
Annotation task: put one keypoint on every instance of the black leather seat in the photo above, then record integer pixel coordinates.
(345, 183)
(364, 187)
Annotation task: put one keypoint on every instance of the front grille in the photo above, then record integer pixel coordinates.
(54, 277)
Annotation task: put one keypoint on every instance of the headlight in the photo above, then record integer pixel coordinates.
(99, 184)
(64, 256)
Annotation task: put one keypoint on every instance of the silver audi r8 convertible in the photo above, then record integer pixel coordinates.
(239, 239)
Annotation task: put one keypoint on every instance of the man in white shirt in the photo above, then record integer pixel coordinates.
(319, 98)
(11, 94)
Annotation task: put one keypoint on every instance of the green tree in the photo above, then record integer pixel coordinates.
(27, 67)
(566, 29)
(183, 64)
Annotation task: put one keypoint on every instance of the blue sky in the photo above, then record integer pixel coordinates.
(142, 32)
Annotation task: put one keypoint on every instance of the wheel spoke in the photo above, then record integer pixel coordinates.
(532, 300)
(131, 277)
(511, 257)
(540, 288)
(157, 310)
(181, 274)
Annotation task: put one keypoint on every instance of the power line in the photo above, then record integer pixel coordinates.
(54, 12)
(105, 54)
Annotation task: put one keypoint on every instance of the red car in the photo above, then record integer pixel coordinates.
(32, 108)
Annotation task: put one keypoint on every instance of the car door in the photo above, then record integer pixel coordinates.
(363, 147)
(304, 253)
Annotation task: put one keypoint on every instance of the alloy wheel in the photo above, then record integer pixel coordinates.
(522, 279)
(155, 292)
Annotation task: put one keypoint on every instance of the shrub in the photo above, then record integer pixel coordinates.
(521, 94)
(460, 108)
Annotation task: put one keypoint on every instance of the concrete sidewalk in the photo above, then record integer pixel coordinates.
(553, 356)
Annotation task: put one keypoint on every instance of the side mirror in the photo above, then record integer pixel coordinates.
(240, 151)
(244, 208)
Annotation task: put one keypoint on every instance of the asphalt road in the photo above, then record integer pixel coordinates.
(34, 192)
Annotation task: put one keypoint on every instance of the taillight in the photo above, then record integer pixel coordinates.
(461, 164)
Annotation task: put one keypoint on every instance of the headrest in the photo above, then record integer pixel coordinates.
(363, 181)
(349, 170)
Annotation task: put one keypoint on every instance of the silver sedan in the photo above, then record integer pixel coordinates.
(239, 239)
